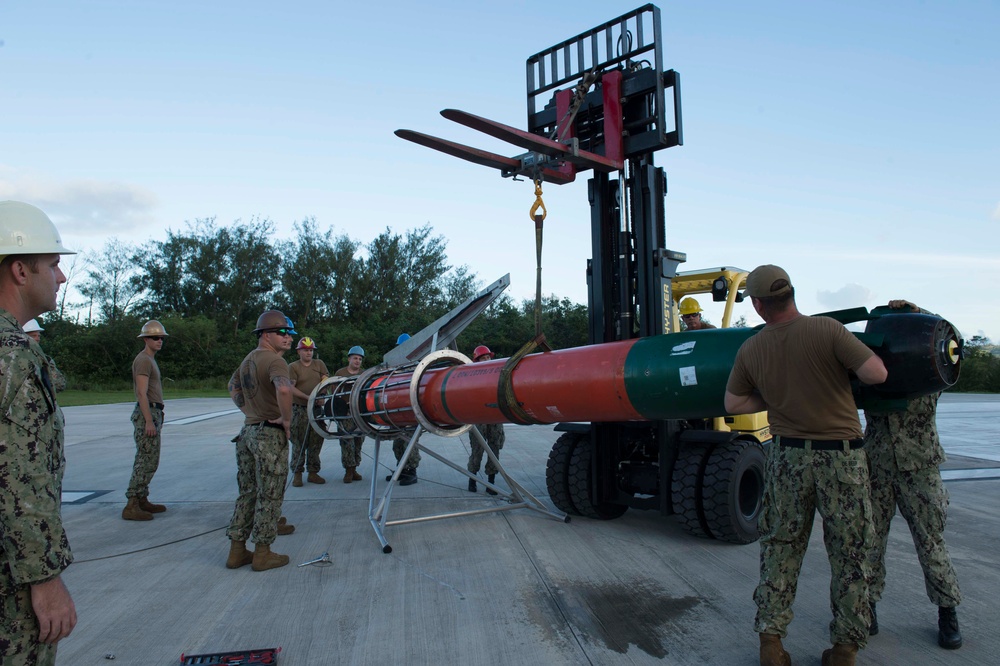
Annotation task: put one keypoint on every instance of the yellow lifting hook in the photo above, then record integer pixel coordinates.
(539, 204)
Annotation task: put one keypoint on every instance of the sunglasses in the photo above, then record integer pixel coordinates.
(691, 316)
(157, 338)
(282, 331)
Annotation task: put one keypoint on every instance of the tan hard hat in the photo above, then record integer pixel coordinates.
(25, 229)
(274, 319)
(152, 328)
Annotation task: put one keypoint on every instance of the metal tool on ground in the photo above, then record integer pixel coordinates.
(322, 559)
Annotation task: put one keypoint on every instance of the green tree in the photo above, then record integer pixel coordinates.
(564, 322)
(318, 274)
(112, 281)
(71, 269)
(404, 282)
(227, 274)
(980, 371)
(95, 356)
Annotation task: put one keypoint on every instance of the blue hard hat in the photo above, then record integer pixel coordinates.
(356, 349)
(403, 337)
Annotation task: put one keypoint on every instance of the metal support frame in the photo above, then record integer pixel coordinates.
(378, 504)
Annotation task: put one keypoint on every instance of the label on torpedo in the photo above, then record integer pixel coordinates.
(682, 349)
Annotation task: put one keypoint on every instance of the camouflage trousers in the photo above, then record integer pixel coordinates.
(261, 472)
(147, 452)
(923, 502)
(350, 451)
(306, 442)
(19, 644)
(399, 445)
(798, 484)
(493, 440)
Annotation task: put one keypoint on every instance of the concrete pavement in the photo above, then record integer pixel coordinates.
(515, 587)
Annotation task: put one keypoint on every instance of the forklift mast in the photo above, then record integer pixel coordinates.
(602, 102)
(612, 97)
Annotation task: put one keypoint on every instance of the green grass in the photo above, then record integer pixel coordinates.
(99, 397)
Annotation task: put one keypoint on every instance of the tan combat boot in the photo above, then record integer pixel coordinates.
(133, 511)
(264, 559)
(772, 653)
(239, 556)
(841, 654)
(284, 527)
(354, 473)
(149, 507)
(348, 474)
(297, 480)
(315, 478)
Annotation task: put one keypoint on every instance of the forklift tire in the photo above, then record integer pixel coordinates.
(733, 490)
(581, 485)
(686, 489)
(557, 471)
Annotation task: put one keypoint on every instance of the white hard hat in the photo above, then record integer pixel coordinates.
(32, 326)
(25, 229)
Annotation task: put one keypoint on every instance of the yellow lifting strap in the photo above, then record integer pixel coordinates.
(506, 400)
(538, 217)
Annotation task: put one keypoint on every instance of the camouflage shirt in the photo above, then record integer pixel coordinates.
(911, 437)
(33, 544)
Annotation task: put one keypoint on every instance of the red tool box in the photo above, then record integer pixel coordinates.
(267, 656)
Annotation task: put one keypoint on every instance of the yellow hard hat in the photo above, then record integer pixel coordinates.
(689, 306)
(153, 329)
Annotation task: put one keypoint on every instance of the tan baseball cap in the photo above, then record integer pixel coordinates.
(760, 282)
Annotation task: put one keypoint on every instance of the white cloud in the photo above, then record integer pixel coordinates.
(849, 296)
(82, 206)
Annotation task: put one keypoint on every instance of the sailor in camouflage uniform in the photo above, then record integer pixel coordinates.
(904, 456)
(306, 374)
(492, 432)
(262, 389)
(36, 609)
(34, 331)
(147, 423)
(797, 368)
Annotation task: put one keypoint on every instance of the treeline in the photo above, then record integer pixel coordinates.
(209, 283)
(980, 368)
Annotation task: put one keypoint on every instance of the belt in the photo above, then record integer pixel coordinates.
(155, 405)
(819, 444)
(268, 424)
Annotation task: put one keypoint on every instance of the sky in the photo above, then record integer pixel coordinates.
(856, 144)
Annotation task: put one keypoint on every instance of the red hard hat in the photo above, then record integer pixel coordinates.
(480, 351)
